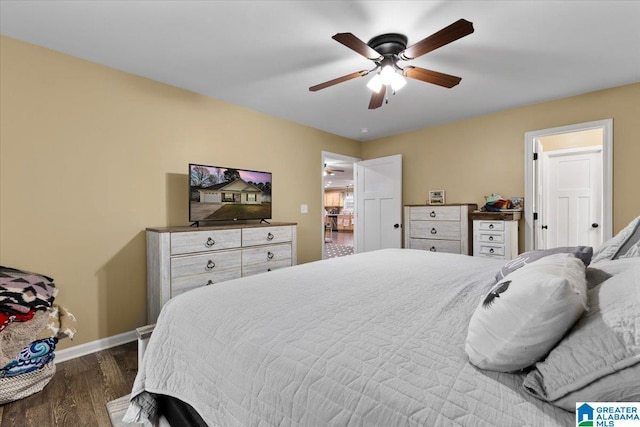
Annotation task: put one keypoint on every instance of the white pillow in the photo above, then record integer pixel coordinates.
(524, 315)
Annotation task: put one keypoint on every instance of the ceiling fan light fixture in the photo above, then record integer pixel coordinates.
(397, 82)
(387, 74)
(375, 84)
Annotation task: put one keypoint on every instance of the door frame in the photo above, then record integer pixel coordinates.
(336, 156)
(607, 175)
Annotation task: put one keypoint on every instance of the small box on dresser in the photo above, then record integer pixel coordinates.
(495, 234)
(183, 258)
(438, 228)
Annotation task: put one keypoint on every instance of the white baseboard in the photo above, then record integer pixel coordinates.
(93, 346)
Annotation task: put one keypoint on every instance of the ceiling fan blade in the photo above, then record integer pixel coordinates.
(357, 45)
(339, 80)
(377, 98)
(453, 32)
(429, 76)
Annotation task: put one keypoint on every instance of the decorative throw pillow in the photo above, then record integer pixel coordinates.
(584, 253)
(599, 360)
(523, 316)
(620, 244)
(602, 270)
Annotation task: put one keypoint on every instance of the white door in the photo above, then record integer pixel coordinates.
(378, 192)
(573, 199)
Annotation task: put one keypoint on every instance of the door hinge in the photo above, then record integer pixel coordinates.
(535, 156)
(535, 216)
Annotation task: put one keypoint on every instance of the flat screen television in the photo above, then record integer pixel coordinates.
(228, 194)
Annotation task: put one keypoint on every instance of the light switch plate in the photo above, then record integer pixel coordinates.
(304, 209)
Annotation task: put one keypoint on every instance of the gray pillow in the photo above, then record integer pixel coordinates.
(620, 244)
(600, 271)
(600, 351)
(583, 253)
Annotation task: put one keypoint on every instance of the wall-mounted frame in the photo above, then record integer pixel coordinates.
(436, 197)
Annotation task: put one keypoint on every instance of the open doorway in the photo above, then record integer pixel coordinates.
(338, 207)
(568, 180)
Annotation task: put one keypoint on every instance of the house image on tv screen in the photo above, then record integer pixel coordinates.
(224, 193)
(238, 191)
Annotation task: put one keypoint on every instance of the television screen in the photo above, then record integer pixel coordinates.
(221, 193)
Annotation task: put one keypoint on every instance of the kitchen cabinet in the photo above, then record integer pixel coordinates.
(333, 199)
(345, 222)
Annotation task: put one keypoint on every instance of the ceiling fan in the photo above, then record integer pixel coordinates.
(330, 170)
(386, 50)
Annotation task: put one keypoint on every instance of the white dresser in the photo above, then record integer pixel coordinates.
(441, 228)
(495, 234)
(183, 258)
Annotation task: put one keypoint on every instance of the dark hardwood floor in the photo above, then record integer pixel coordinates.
(78, 392)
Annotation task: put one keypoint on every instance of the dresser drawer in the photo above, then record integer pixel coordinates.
(447, 246)
(435, 229)
(267, 254)
(490, 225)
(201, 241)
(184, 284)
(264, 235)
(435, 213)
(491, 250)
(249, 270)
(205, 263)
(491, 237)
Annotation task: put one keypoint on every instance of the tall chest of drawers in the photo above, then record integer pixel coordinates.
(495, 234)
(442, 228)
(184, 258)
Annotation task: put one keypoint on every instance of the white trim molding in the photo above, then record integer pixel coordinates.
(607, 170)
(94, 346)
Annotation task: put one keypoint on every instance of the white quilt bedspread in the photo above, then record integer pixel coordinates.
(374, 339)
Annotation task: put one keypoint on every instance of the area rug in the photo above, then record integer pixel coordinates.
(116, 409)
(333, 250)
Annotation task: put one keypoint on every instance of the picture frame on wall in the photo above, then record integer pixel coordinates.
(436, 197)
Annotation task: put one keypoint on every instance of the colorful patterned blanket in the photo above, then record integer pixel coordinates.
(22, 291)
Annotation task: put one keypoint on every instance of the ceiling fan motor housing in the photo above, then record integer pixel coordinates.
(388, 44)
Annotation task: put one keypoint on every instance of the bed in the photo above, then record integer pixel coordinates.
(373, 339)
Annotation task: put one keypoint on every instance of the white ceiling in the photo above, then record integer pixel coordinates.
(265, 54)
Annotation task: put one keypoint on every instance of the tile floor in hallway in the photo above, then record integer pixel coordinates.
(338, 243)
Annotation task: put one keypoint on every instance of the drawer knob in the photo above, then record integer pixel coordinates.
(432, 214)
(270, 236)
(434, 231)
(210, 282)
(211, 265)
(210, 242)
(268, 269)
(490, 238)
(432, 248)
(269, 255)
(491, 251)
(491, 226)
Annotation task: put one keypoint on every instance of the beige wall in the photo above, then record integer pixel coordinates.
(91, 156)
(483, 155)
